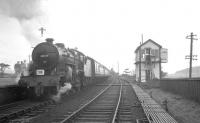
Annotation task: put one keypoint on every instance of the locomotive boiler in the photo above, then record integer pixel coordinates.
(53, 65)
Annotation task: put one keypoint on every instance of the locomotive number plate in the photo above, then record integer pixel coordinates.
(39, 72)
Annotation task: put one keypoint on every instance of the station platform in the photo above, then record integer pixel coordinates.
(6, 82)
(153, 111)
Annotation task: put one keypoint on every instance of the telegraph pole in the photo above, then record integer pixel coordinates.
(191, 37)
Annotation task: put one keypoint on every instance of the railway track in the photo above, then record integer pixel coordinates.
(110, 106)
(23, 110)
(130, 109)
(101, 108)
(10, 105)
(117, 103)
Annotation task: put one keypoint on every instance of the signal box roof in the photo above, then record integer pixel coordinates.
(146, 43)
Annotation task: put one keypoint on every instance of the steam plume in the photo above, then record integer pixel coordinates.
(62, 90)
(24, 70)
(26, 12)
(21, 9)
(17, 78)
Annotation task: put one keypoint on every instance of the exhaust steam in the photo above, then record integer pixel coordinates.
(21, 69)
(63, 90)
(27, 14)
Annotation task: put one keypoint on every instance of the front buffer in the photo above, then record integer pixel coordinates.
(40, 86)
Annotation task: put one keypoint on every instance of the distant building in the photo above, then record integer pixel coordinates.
(149, 57)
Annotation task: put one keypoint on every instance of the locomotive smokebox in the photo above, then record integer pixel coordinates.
(45, 56)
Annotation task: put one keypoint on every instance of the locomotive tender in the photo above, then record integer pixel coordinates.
(53, 65)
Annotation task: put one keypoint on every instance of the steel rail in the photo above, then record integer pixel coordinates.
(6, 106)
(23, 110)
(73, 115)
(118, 103)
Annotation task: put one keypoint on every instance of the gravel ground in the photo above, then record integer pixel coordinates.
(183, 110)
(69, 104)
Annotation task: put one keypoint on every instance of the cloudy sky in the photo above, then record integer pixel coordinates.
(107, 30)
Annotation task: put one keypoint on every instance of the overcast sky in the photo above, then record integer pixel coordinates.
(107, 30)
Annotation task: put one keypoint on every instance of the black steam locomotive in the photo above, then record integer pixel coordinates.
(53, 65)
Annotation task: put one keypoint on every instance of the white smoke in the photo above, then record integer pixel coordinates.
(63, 90)
(21, 9)
(19, 22)
(27, 12)
(17, 78)
(23, 73)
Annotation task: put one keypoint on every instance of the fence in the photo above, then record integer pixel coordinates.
(153, 83)
(189, 88)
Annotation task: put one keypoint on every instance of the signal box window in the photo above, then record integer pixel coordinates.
(148, 51)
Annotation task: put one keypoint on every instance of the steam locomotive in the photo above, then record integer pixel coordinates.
(53, 65)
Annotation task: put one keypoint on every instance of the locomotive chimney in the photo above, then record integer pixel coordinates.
(49, 40)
